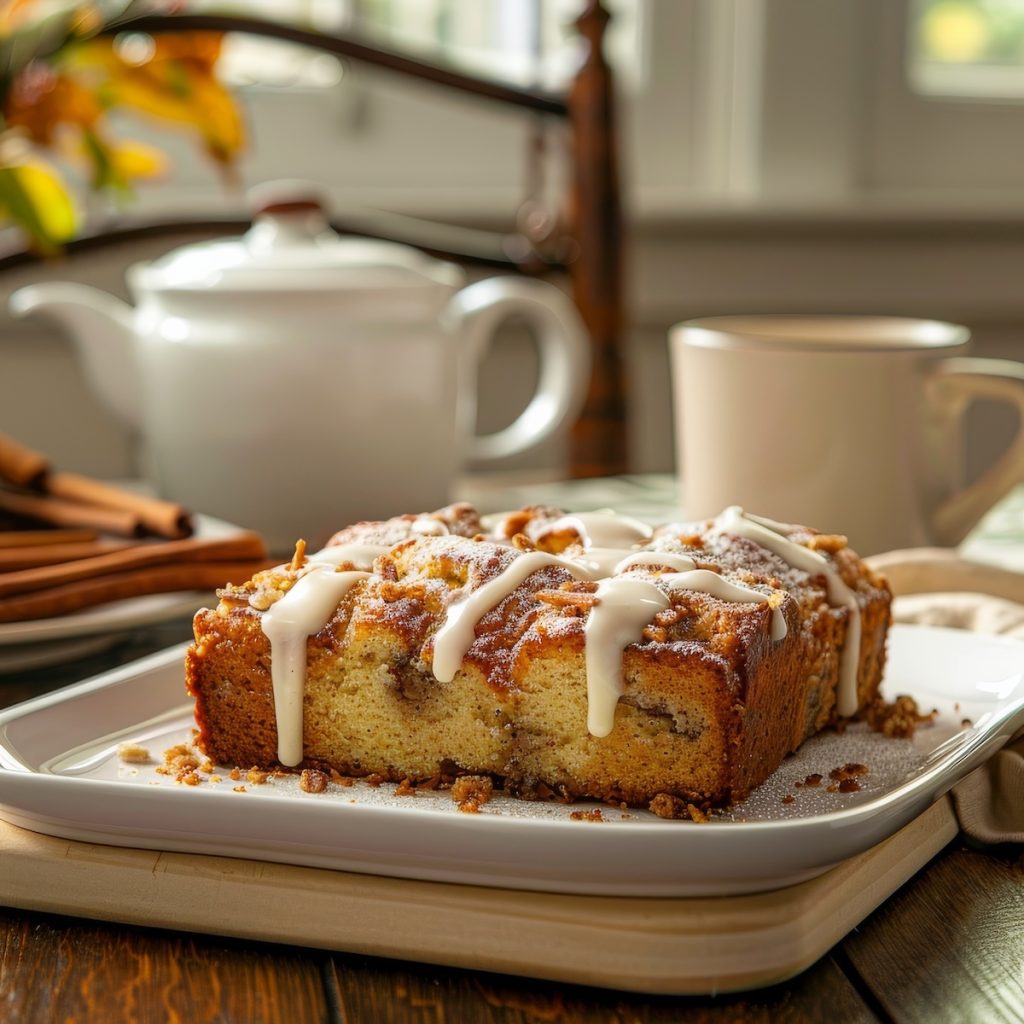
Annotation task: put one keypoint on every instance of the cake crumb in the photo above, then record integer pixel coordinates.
(539, 791)
(812, 781)
(665, 805)
(789, 799)
(375, 780)
(312, 781)
(849, 771)
(239, 789)
(405, 788)
(697, 814)
(214, 779)
(235, 774)
(594, 814)
(133, 753)
(899, 718)
(299, 558)
(256, 776)
(471, 792)
(828, 542)
(180, 761)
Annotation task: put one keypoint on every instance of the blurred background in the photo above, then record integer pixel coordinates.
(839, 156)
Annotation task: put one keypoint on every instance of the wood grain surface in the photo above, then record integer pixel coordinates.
(953, 938)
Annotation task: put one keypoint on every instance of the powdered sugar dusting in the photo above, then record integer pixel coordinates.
(888, 761)
(786, 795)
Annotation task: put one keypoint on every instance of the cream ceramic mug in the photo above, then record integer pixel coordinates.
(850, 424)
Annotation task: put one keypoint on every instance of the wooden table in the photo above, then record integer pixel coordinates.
(948, 946)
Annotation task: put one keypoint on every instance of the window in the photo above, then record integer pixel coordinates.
(967, 48)
(524, 42)
(373, 140)
(937, 118)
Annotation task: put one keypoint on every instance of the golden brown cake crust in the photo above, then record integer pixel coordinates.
(710, 702)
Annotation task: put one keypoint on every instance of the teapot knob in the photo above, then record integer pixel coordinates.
(285, 213)
(280, 206)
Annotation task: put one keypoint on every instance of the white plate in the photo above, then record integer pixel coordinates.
(61, 776)
(41, 642)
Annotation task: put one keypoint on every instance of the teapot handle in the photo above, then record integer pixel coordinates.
(474, 314)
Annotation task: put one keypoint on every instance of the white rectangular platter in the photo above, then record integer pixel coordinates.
(60, 775)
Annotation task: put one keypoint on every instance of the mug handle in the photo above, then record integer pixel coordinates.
(474, 315)
(953, 385)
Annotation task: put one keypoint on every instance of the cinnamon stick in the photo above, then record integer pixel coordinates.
(13, 559)
(164, 518)
(73, 597)
(65, 513)
(44, 538)
(137, 558)
(20, 464)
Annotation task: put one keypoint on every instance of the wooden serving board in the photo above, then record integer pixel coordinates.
(677, 946)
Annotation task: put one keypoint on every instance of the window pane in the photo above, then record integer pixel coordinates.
(973, 49)
(526, 42)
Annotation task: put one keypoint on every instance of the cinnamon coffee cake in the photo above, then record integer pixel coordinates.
(586, 655)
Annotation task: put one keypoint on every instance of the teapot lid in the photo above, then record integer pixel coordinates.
(291, 246)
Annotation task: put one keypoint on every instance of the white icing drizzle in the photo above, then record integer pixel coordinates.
(360, 555)
(767, 533)
(641, 559)
(455, 637)
(428, 526)
(604, 536)
(603, 529)
(302, 612)
(624, 607)
(711, 583)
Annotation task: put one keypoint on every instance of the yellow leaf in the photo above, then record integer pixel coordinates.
(34, 197)
(137, 160)
(51, 199)
(177, 84)
(198, 102)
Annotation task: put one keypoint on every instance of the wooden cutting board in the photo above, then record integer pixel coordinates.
(678, 946)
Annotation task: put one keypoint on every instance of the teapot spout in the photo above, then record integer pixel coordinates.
(101, 328)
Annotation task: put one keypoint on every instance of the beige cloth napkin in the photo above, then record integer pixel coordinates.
(990, 801)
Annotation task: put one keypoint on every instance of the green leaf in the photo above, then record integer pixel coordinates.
(105, 172)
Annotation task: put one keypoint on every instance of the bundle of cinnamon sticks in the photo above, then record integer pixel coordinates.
(77, 542)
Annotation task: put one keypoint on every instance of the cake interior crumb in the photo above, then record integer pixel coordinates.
(133, 753)
(471, 792)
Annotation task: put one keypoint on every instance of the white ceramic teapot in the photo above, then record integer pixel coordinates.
(294, 381)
